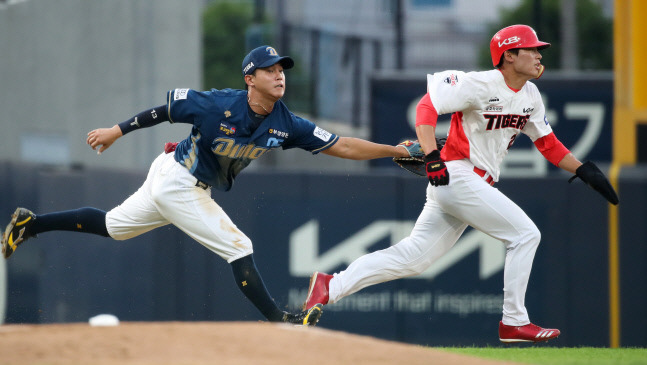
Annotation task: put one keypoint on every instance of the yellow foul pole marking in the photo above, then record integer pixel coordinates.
(614, 264)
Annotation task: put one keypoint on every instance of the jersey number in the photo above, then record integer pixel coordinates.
(512, 141)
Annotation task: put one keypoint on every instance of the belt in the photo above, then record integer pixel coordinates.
(202, 185)
(482, 173)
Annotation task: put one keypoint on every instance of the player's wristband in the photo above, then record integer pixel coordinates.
(145, 119)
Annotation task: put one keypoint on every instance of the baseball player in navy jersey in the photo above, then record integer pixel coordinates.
(229, 130)
(490, 109)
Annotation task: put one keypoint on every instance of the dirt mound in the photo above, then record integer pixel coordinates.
(197, 343)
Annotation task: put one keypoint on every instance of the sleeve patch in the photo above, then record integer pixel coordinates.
(180, 94)
(452, 80)
(322, 134)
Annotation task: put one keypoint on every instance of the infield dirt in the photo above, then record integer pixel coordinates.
(197, 343)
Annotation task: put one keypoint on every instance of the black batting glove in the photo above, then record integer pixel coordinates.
(436, 170)
(593, 177)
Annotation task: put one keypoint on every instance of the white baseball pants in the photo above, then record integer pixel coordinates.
(169, 195)
(467, 200)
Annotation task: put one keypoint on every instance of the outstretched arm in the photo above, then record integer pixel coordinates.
(359, 149)
(105, 137)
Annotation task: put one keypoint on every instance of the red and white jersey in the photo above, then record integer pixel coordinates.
(488, 115)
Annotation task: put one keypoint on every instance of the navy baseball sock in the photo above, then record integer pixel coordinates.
(88, 220)
(251, 284)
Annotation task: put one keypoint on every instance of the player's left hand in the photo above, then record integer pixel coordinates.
(436, 170)
(413, 148)
(593, 177)
(415, 161)
(103, 137)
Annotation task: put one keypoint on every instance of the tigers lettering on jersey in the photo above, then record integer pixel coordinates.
(497, 121)
(229, 148)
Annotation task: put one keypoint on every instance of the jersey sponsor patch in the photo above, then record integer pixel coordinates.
(494, 108)
(180, 94)
(228, 130)
(279, 133)
(322, 134)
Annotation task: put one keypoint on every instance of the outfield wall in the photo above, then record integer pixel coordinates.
(295, 221)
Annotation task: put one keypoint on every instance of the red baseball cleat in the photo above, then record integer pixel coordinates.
(527, 333)
(318, 291)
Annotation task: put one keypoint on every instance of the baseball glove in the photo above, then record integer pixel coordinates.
(415, 163)
(593, 177)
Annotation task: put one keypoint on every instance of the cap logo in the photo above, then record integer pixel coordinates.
(271, 51)
(510, 40)
(249, 65)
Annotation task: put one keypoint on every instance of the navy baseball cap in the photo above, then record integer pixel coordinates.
(264, 56)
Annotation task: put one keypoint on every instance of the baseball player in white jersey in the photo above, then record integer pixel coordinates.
(489, 109)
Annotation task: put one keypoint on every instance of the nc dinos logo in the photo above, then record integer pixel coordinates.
(271, 51)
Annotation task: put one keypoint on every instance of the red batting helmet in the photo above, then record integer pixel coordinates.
(514, 36)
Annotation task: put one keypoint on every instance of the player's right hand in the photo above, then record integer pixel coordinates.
(436, 170)
(103, 137)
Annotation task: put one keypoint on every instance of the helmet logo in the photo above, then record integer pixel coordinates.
(510, 40)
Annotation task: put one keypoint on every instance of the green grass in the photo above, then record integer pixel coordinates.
(557, 355)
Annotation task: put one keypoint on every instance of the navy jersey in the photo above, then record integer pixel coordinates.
(223, 140)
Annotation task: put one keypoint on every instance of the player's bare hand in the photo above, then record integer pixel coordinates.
(103, 138)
